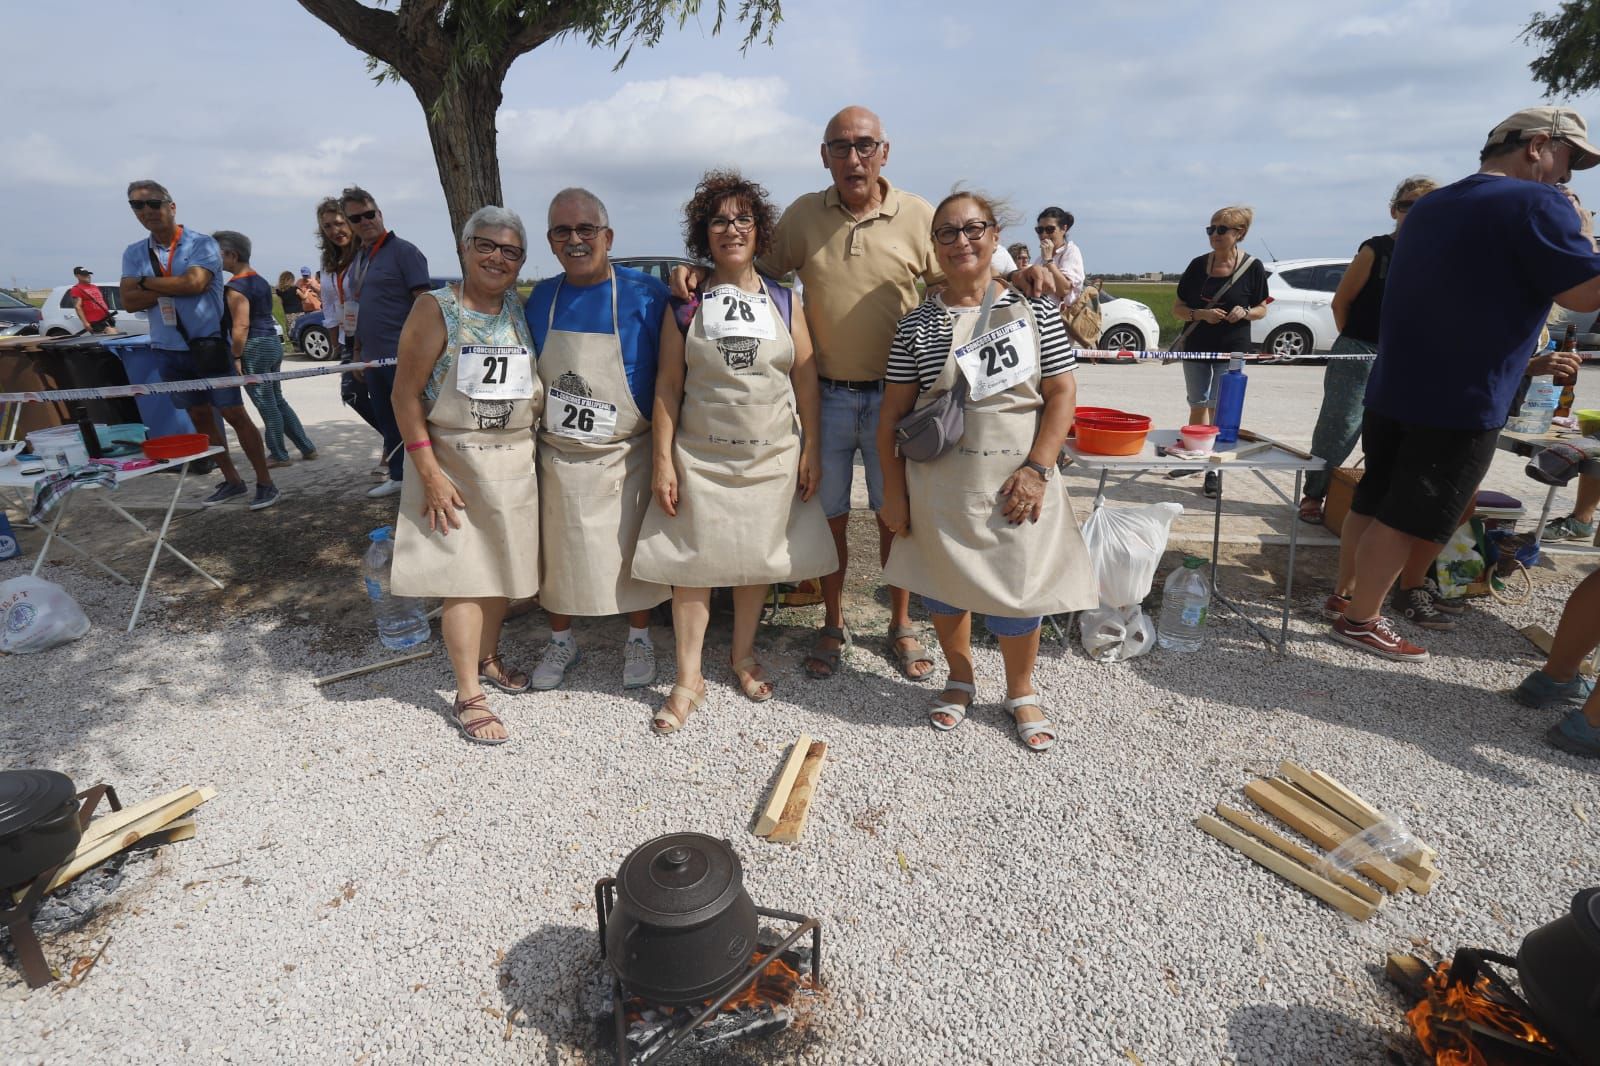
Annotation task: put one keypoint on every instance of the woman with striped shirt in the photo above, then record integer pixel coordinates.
(984, 526)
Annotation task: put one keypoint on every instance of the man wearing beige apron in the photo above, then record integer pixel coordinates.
(597, 331)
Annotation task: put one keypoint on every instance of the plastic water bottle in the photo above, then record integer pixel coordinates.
(1538, 406)
(402, 623)
(1185, 602)
(1230, 401)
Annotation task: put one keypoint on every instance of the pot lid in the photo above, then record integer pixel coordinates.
(1586, 912)
(680, 880)
(26, 796)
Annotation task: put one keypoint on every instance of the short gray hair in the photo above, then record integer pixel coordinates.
(583, 196)
(233, 241)
(491, 216)
(153, 186)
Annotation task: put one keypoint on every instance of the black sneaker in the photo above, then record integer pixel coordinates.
(1417, 607)
(1213, 486)
(1454, 608)
(266, 496)
(228, 490)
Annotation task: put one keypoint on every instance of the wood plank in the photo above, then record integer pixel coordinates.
(778, 798)
(1278, 800)
(117, 819)
(1358, 815)
(1370, 815)
(795, 814)
(1287, 868)
(182, 829)
(1304, 856)
(1245, 434)
(345, 675)
(1237, 453)
(88, 856)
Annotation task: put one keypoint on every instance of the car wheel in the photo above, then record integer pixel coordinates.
(1287, 343)
(57, 332)
(316, 343)
(1122, 339)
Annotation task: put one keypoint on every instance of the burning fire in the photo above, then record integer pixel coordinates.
(1445, 1019)
(776, 987)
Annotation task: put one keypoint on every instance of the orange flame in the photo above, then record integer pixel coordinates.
(776, 987)
(1441, 1019)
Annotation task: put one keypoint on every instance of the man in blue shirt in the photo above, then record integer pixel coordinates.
(176, 275)
(1469, 287)
(387, 276)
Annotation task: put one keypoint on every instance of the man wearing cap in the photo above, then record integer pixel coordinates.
(310, 290)
(90, 303)
(1468, 291)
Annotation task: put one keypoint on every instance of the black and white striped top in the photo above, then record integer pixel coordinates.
(923, 337)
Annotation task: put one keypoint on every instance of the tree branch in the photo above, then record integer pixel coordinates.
(377, 33)
(418, 16)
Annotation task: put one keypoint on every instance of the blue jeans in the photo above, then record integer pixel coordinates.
(380, 389)
(1200, 377)
(849, 425)
(1344, 387)
(174, 365)
(1000, 627)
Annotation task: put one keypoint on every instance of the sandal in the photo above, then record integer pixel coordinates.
(756, 690)
(508, 681)
(1026, 731)
(470, 729)
(666, 720)
(957, 711)
(1311, 510)
(828, 657)
(916, 653)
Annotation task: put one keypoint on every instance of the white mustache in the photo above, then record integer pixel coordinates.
(572, 248)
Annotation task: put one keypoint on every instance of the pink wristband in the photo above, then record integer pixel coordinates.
(417, 446)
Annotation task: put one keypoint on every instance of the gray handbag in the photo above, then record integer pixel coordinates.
(933, 429)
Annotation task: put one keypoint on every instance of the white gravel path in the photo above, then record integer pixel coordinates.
(367, 888)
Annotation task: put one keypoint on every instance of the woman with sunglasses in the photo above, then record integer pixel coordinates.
(1220, 294)
(1356, 307)
(466, 398)
(738, 456)
(986, 526)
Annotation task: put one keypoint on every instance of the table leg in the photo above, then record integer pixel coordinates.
(1216, 533)
(1544, 515)
(155, 553)
(170, 550)
(1100, 490)
(1288, 581)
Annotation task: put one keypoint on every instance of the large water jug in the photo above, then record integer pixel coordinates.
(1230, 401)
(1538, 406)
(1185, 602)
(402, 623)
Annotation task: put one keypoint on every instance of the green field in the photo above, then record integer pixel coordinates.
(1159, 295)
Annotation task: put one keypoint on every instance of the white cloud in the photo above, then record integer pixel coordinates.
(300, 174)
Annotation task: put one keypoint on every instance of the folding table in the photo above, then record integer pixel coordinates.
(1531, 444)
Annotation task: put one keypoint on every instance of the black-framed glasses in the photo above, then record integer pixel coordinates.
(509, 252)
(972, 231)
(1217, 231)
(363, 216)
(147, 205)
(1042, 230)
(585, 231)
(866, 148)
(1402, 206)
(741, 223)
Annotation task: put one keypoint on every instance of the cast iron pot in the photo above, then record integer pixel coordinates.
(1559, 964)
(38, 823)
(683, 927)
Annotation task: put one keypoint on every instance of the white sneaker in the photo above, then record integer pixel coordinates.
(388, 488)
(552, 669)
(638, 664)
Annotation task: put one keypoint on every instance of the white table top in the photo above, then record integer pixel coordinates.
(11, 476)
(1270, 457)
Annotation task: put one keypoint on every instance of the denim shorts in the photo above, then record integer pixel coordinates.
(849, 425)
(1000, 627)
(180, 366)
(1200, 377)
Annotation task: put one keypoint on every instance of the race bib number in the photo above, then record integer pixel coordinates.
(494, 372)
(579, 417)
(728, 311)
(350, 311)
(999, 359)
(169, 310)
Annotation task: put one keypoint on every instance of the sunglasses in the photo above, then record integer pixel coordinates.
(509, 252)
(1042, 230)
(1403, 206)
(147, 205)
(363, 216)
(563, 234)
(972, 231)
(1218, 230)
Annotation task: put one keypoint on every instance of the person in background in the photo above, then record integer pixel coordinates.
(310, 290)
(1219, 295)
(1020, 254)
(1558, 685)
(337, 245)
(289, 296)
(1356, 307)
(1060, 255)
(247, 322)
(90, 303)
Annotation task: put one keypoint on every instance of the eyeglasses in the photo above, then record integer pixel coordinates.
(363, 216)
(509, 252)
(1042, 230)
(866, 148)
(1218, 230)
(972, 231)
(741, 223)
(1402, 206)
(562, 234)
(146, 205)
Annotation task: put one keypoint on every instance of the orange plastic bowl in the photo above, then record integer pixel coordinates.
(1112, 434)
(1094, 412)
(176, 446)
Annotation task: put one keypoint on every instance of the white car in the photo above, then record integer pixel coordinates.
(1127, 325)
(1299, 318)
(61, 317)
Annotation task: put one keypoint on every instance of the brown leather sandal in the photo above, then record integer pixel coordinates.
(512, 679)
(755, 689)
(469, 729)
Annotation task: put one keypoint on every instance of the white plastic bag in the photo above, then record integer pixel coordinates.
(1112, 634)
(1125, 545)
(36, 615)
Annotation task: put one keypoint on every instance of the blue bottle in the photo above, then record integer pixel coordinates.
(1230, 401)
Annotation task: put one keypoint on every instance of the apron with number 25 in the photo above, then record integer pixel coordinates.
(594, 474)
(961, 549)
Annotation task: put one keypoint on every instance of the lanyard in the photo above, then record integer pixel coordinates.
(367, 257)
(172, 250)
(244, 274)
(338, 281)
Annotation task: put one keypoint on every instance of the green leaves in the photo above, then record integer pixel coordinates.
(1571, 42)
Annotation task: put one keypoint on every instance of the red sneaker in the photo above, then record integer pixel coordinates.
(1334, 607)
(1378, 637)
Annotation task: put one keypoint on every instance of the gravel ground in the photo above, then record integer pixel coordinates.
(368, 888)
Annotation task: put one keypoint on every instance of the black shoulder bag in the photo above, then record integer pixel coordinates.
(213, 356)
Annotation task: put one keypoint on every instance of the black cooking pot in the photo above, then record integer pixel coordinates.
(38, 823)
(1559, 964)
(683, 928)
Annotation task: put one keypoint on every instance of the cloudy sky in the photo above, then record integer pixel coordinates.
(1140, 117)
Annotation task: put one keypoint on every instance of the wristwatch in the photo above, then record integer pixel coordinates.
(141, 281)
(1043, 471)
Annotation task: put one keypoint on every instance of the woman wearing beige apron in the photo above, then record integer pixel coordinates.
(733, 486)
(466, 399)
(985, 526)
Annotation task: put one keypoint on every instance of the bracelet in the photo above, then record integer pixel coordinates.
(417, 446)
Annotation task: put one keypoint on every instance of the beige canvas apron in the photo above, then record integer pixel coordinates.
(594, 474)
(486, 448)
(960, 549)
(740, 518)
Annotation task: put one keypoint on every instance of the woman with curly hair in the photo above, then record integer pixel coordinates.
(737, 453)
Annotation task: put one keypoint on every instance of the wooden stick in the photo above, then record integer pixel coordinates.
(370, 668)
(798, 810)
(1362, 812)
(1277, 799)
(1287, 868)
(1313, 797)
(1304, 856)
(1238, 453)
(778, 798)
(182, 829)
(117, 819)
(1245, 434)
(86, 857)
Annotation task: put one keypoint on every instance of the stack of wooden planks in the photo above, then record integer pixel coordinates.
(788, 805)
(160, 820)
(1326, 813)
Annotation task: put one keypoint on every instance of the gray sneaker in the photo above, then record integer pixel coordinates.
(552, 669)
(228, 490)
(638, 664)
(266, 496)
(1540, 691)
(1568, 528)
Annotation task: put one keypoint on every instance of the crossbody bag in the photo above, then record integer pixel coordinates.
(212, 356)
(933, 429)
(1245, 259)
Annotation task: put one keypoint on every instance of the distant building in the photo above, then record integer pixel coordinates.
(1154, 275)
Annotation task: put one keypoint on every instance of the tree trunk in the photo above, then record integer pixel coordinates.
(465, 145)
